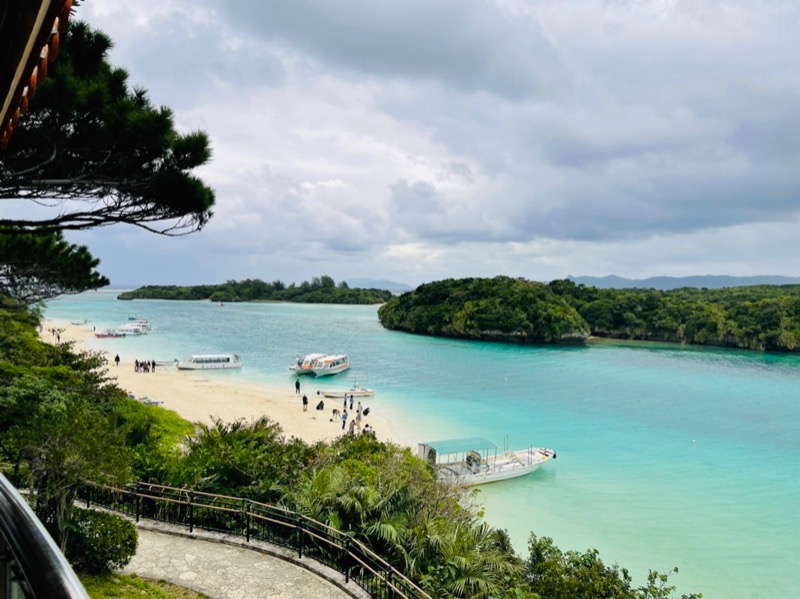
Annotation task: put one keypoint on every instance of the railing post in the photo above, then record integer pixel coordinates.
(347, 560)
(247, 518)
(299, 537)
(191, 513)
(138, 500)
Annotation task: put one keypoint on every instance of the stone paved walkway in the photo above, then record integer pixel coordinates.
(222, 570)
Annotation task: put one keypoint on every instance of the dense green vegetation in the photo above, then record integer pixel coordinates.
(93, 152)
(100, 542)
(759, 317)
(62, 420)
(37, 267)
(493, 309)
(321, 290)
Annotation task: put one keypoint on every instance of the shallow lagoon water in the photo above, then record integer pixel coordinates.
(667, 456)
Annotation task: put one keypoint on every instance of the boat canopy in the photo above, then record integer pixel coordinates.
(461, 445)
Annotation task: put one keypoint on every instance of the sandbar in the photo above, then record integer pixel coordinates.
(200, 397)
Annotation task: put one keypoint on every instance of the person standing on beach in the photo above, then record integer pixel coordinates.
(351, 403)
(116, 359)
(344, 418)
(305, 403)
(297, 387)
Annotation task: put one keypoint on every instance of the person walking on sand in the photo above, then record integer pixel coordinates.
(344, 418)
(352, 429)
(305, 403)
(297, 387)
(116, 359)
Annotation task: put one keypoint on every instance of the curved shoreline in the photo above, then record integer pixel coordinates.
(199, 397)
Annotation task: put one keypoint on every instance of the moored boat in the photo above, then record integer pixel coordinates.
(134, 328)
(303, 364)
(475, 461)
(210, 362)
(356, 391)
(107, 333)
(331, 364)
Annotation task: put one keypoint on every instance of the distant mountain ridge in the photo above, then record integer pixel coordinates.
(698, 281)
(393, 286)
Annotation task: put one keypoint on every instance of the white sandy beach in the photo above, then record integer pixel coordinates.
(198, 396)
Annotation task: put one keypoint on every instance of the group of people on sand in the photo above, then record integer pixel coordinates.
(144, 366)
(354, 428)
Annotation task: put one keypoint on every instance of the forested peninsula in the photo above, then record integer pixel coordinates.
(320, 290)
(760, 317)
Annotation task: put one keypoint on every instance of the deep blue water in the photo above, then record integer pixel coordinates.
(667, 456)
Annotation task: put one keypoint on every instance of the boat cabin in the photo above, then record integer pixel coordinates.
(471, 454)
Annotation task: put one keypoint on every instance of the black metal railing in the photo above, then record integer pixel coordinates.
(31, 564)
(260, 521)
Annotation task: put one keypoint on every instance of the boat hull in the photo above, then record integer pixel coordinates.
(332, 364)
(109, 335)
(330, 371)
(512, 464)
(341, 394)
(181, 366)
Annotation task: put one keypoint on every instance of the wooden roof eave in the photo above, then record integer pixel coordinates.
(33, 48)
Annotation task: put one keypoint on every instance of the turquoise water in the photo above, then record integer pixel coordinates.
(667, 456)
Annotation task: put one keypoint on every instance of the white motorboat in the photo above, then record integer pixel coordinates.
(331, 364)
(210, 362)
(475, 461)
(356, 391)
(140, 327)
(303, 364)
(108, 333)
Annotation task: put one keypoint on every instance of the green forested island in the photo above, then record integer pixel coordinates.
(761, 317)
(320, 290)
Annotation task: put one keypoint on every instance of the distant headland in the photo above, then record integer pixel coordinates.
(698, 281)
(320, 290)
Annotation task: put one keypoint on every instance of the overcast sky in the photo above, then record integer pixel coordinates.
(416, 140)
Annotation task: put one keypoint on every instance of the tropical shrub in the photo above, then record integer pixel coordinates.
(100, 542)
